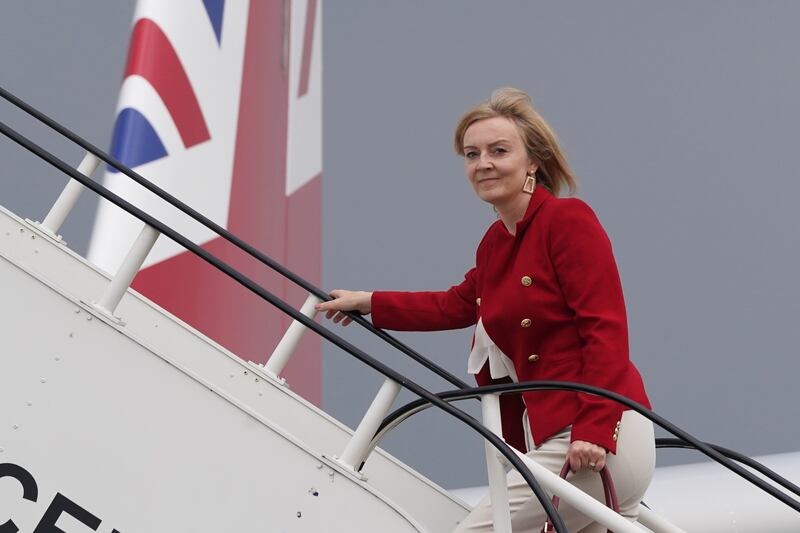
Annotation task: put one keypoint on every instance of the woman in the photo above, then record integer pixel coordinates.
(547, 300)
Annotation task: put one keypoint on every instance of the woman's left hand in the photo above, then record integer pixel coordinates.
(582, 454)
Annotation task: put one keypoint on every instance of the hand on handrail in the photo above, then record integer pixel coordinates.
(344, 300)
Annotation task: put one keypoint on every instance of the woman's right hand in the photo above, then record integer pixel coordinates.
(360, 301)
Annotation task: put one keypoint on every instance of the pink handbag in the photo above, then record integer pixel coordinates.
(608, 489)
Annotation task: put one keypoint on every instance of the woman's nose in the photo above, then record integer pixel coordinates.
(484, 162)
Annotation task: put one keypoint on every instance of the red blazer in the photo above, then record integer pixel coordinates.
(551, 299)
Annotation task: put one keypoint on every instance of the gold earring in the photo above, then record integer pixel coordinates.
(530, 183)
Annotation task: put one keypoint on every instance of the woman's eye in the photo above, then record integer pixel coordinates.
(499, 150)
(470, 155)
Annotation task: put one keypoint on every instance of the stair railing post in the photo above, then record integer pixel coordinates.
(127, 271)
(68, 197)
(355, 452)
(495, 465)
(654, 522)
(288, 344)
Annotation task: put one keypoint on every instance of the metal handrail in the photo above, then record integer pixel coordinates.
(411, 408)
(227, 235)
(362, 356)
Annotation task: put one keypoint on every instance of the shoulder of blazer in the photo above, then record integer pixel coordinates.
(566, 208)
(568, 211)
(571, 215)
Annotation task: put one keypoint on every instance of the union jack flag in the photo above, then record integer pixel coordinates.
(221, 105)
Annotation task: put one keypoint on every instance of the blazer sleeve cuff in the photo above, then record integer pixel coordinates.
(603, 430)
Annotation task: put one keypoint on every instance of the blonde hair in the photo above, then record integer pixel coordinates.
(540, 141)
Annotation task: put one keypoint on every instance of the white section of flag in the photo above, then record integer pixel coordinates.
(304, 158)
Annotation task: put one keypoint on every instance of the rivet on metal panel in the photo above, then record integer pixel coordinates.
(261, 394)
(245, 372)
(230, 375)
(15, 426)
(71, 335)
(2, 450)
(22, 230)
(36, 250)
(256, 380)
(313, 491)
(58, 358)
(43, 380)
(29, 404)
(33, 236)
(77, 310)
(299, 514)
(320, 466)
(88, 318)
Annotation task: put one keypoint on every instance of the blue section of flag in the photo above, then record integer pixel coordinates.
(214, 8)
(135, 141)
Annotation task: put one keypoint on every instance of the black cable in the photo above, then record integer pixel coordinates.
(404, 412)
(736, 456)
(373, 363)
(227, 235)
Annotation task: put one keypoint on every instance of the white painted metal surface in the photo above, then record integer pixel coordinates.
(495, 465)
(288, 343)
(127, 271)
(153, 424)
(95, 416)
(655, 522)
(356, 449)
(69, 197)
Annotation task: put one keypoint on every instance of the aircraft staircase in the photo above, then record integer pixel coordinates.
(119, 417)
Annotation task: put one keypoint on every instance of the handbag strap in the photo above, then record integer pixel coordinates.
(609, 492)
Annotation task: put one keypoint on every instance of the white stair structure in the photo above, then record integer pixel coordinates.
(150, 426)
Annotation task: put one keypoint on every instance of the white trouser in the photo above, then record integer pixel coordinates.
(631, 469)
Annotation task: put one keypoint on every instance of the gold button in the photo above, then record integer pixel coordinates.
(478, 301)
(527, 281)
(614, 438)
(526, 323)
(533, 358)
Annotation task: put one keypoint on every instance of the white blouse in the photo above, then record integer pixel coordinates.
(484, 348)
